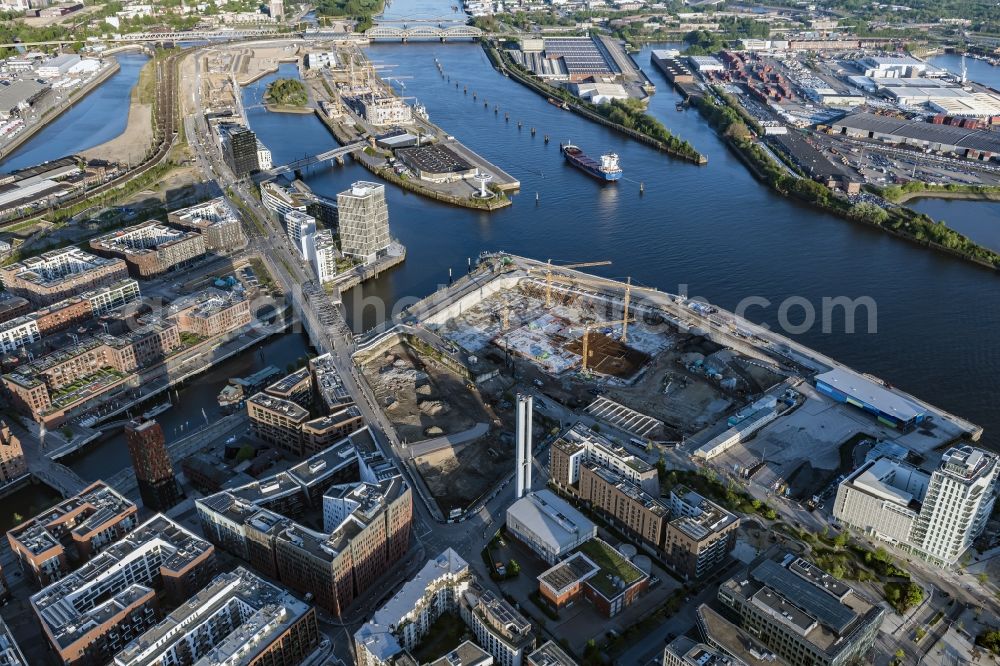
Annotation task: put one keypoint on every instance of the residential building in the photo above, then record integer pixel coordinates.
(936, 516)
(154, 471)
(363, 216)
(300, 227)
(548, 525)
(10, 652)
(550, 654)
(580, 444)
(216, 220)
(13, 465)
(76, 529)
(497, 626)
(238, 619)
(624, 503)
(263, 155)
(276, 8)
(257, 522)
(682, 651)
(466, 654)
(211, 313)
(398, 626)
(18, 333)
(806, 616)
(281, 200)
(700, 535)
(241, 151)
(47, 388)
(596, 572)
(94, 612)
(12, 307)
(150, 248)
(278, 422)
(57, 274)
(325, 256)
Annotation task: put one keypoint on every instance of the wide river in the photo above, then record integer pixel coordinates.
(712, 231)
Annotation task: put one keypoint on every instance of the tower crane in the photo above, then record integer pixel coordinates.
(586, 336)
(548, 275)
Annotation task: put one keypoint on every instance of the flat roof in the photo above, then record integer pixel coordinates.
(949, 135)
(551, 518)
(807, 594)
(434, 159)
(865, 390)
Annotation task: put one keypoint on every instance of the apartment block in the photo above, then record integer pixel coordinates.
(683, 651)
(76, 529)
(10, 651)
(217, 222)
(934, 515)
(150, 248)
(580, 444)
(700, 535)
(95, 612)
(211, 313)
(13, 465)
(503, 631)
(257, 522)
(18, 333)
(398, 626)
(550, 654)
(12, 307)
(624, 503)
(804, 615)
(88, 305)
(281, 200)
(154, 471)
(57, 274)
(364, 221)
(325, 256)
(278, 422)
(280, 414)
(238, 619)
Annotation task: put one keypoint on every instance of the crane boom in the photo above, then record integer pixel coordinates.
(548, 275)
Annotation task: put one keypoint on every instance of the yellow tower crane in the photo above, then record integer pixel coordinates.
(548, 275)
(586, 337)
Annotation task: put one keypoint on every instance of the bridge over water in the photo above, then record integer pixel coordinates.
(316, 159)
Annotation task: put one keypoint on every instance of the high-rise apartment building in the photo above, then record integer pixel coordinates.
(154, 471)
(241, 151)
(936, 516)
(363, 221)
(238, 619)
(499, 627)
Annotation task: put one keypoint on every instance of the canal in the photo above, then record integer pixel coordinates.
(194, 404)
(98, 117)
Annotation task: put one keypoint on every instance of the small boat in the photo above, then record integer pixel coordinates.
(607, 169)
(155, 411)
(562, 105)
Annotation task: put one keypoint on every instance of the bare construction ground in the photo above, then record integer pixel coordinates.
(466, 433)
(680, 379)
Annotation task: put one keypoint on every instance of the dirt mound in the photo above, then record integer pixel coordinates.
(433, 407)
(424, 390)
(433, 431)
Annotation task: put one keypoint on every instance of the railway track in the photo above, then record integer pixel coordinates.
(166, 120)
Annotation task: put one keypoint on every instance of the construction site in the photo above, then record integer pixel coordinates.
(654, 371)
(456, 432)
(612, 357)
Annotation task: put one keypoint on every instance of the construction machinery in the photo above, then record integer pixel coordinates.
(548, 275)
(586, 337)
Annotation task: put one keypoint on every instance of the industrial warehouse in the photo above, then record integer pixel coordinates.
(968, 143)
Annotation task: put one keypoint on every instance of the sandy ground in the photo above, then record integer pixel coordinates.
(131, 145)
